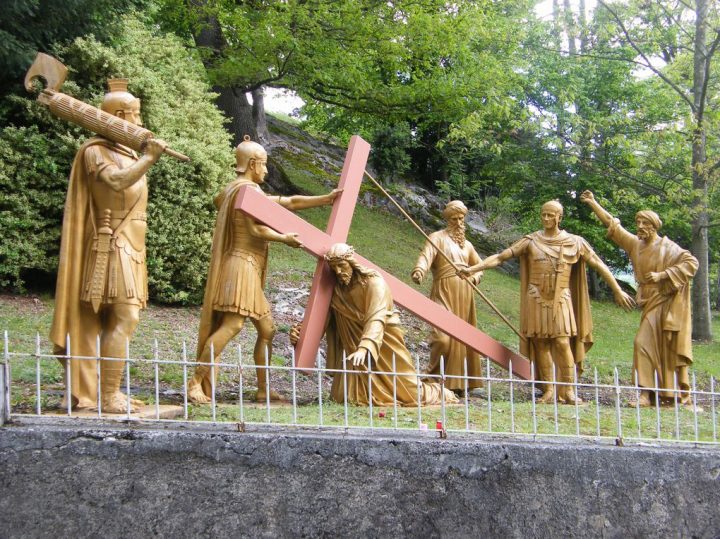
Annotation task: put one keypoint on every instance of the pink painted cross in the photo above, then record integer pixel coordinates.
(317, 243)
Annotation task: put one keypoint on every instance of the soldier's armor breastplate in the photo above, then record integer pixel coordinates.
(243, 241)
(115, 264)
(544, 275)
(120, 203)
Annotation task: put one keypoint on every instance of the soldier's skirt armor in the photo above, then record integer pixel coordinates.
(240, 287)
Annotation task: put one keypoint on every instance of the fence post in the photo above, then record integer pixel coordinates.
(4, 383)
(3, 395)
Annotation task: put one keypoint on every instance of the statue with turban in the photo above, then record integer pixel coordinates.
(663, 270)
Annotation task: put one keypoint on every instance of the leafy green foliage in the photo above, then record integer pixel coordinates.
(390, 146)
(176, 106)
(32, 206)
(29, 26)
(367, 66)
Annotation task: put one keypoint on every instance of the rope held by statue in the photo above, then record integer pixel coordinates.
(68, 108)
(442, 253)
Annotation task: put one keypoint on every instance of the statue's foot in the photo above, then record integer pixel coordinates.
(642, 402)
(117, 403)
(196, 394)
(570, 398)
(451, 397)
(547, 398)
(261, 396)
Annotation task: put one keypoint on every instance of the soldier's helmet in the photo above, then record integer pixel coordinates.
(118, 98)
(246, 151)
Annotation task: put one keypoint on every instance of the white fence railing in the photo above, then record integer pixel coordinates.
(33, 383)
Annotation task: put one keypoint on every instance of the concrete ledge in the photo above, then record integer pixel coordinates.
(96, 480)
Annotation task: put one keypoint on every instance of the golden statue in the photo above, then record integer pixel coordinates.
(102, 276)
(364, 324)
(238, 266)
(453, 293)
(663, 269)
(554, 300)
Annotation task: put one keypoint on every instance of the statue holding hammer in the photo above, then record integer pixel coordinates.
(102, 275)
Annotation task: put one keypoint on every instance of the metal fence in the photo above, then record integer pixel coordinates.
(33, 383)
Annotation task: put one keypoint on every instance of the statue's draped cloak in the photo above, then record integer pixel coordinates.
(72, 317)
(362, 315)
(573, 248)
(458, 297)
(663, 343)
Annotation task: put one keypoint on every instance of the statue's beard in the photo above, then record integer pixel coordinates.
(457, 234)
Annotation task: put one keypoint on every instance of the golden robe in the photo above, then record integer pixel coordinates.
(554, 298)
(362, 315)
(458, 297)
(663, 343)
(74, 316)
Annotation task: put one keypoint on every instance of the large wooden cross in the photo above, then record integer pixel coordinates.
(317, 243)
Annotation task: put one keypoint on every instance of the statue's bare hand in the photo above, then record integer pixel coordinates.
(292, 240)
(332, 195)
(468, 272)
(155, 147)
(587, 197)
(655, 277)
(417, 276)
(357, 357)
(624, 300)
(294, 334)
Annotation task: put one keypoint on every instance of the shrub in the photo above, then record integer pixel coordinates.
(176, 105)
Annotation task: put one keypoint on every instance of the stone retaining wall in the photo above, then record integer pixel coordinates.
(80, 480)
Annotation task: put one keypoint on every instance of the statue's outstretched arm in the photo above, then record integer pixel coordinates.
(490, 262)
(588, 198)
(268, 234)
(301, 202)
(621, 298)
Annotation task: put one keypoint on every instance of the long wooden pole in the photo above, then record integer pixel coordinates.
(446, 257)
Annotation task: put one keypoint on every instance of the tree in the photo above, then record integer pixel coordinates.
(370, 62)
(677, 42)
(29, 26)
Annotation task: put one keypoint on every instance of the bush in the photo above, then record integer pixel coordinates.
(390, 156)
(176, 105)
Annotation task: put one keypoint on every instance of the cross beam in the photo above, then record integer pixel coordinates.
(317, 243)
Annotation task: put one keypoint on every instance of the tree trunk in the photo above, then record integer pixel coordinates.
(717, 298)
(702, 328)
(258, 114)
(233, 102)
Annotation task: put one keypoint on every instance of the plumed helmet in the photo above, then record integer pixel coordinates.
(118, 98)
(246, 151)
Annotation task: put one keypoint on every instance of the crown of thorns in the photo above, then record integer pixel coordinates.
(339, 252)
